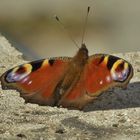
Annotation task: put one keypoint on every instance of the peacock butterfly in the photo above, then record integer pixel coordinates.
(68, 82)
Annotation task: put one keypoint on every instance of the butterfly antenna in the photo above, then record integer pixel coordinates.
(65, 29)
(85, 25)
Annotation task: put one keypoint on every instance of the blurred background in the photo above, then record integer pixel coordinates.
(113, 26)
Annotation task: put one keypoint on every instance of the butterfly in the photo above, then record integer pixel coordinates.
(70, 82)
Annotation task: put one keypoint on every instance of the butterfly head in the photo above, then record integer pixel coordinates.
(84, 49)
(82, 55)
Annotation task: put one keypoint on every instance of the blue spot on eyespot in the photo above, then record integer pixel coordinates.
(15, 76)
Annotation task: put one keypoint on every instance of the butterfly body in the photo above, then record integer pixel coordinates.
(68, 82)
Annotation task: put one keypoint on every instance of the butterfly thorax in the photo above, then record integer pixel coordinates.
(73, 72)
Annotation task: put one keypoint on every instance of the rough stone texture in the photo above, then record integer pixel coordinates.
(115, 115)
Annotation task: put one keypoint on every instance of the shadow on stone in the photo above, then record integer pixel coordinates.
(95, 132)
(117, 99)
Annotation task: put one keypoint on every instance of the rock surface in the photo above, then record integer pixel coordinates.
(115, 115)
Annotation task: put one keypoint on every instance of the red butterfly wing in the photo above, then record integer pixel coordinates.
(105, 71)
(98, 75)
(37, 80)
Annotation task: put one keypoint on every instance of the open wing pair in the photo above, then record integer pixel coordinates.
(40, 81)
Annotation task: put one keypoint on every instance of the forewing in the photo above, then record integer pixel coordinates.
(105, 71)
(36, 80)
